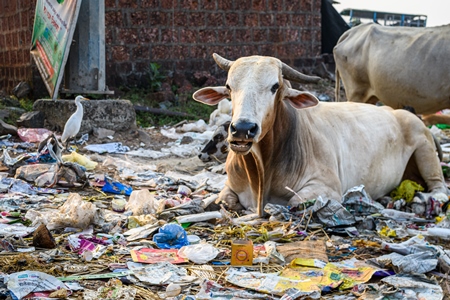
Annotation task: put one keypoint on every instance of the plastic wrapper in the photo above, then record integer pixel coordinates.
(33, 135)
(115, 187)
(26, 282)
(171, 236)
(417, 263)
(142, 202)
(212, 290)
(413, 287)
(356, 201)
(73, 213)
(160, 273)
(199, 253)
(80, 159)
(107, 148)
(331, 213)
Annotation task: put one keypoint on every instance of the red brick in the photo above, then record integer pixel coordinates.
(160, 18)
(214, 20)
(259, 5)
(225, 4)
(150, 3)
(291, 35)
(26, 56)
(250, 19)
(110, 4)
(209, 4)
(120, 53)
(168, 4)
(225, 36)
(139, 18)
(13, 58)
(260, 35)
(160, 52)
(249, 50)
(199, 51)
(2, 42)
(316, 21)
(267, 20)
(301, 20)
(141, 52)
(207, 36)
(243, 5)
(306, 35)
(276, 5)
(268, 50)
(180, 52)
(109, 35)
(243, 35)
(283, 19)
(188, 36)
(149, 35)
(127, 36)
(2, 61)
(276, 35)
(232, 19)
(169, 35)
(114, 18)
(180, 19)
(127, 3)
(141, 67)
(9, 6)
(24, 19)
(189, 4)
(282, 51)
(196, 19)
(306, 5)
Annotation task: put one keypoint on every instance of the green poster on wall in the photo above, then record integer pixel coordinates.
(54, 25)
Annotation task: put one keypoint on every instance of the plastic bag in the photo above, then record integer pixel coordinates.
(142, 202)
(116, 187)
(199, 253)
(33, 135)
(74, 213)
(80, 159)
(171, 236)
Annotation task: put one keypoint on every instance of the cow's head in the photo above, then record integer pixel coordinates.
(255, 85)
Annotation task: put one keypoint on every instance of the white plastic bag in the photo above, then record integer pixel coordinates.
(142, 202)
(199, 253)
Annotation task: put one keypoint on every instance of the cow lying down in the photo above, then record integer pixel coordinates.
(281, 137)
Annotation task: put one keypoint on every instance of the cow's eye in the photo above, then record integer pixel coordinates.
(228, 87)
(274, 88)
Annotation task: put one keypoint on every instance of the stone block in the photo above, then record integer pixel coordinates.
(117, 115)
(32, 119)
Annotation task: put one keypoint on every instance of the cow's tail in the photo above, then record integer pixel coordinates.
(338, 86)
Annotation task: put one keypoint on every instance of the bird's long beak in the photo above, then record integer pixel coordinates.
(86, 98)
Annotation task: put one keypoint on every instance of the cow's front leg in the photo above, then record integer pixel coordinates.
(230, 199)
(311, 192)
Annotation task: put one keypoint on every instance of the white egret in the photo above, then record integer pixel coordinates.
(73, 124)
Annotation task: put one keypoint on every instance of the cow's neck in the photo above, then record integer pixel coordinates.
(279, 155)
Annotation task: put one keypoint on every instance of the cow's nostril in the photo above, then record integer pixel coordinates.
(243, 130)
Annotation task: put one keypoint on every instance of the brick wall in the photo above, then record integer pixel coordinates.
(180, 35)
(16, 26)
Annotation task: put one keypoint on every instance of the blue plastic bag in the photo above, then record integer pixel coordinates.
(115, 187)
(171, 236)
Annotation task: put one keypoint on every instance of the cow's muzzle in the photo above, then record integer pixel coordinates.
(242, 135)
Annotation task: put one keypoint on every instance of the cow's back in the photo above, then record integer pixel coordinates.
(396, 65)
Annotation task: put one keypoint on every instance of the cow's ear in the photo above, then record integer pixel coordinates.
(211, 95)
(301, 99)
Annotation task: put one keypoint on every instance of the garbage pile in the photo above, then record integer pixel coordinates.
(75, 227)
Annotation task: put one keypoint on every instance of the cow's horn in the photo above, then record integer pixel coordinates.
(223, 63)
(294, 75)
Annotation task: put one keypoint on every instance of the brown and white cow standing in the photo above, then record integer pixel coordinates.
(282, 137)
(398, 66)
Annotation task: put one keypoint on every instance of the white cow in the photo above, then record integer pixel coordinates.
(398, 66)
(282, 137)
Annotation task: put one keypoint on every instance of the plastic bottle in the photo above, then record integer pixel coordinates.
(443, 233)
